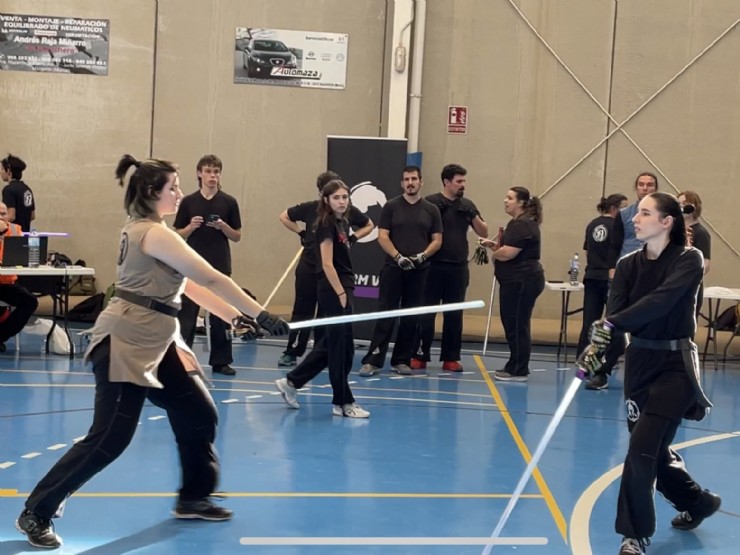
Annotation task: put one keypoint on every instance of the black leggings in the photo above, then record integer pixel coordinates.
(192, 414)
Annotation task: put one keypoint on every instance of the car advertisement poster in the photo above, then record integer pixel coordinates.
(54, 44)
(290, 58)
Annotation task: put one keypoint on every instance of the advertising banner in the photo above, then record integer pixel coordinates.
(290, 58)
(54, 44)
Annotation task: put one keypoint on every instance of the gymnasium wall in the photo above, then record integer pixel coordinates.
(170, 92)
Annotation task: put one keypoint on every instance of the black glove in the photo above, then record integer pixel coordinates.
(244, 328)
(302, 235)
(480, 256)
(418, 259)
(272, 324)
(591, 360)
(352, 240)
(404, 262)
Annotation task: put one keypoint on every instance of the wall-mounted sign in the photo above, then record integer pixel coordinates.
(457, 120)
(290, 58)
(54, 44)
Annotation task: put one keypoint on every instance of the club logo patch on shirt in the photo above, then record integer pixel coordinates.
(123, 248)
(633, 411)
(28, 199)
(600, 233)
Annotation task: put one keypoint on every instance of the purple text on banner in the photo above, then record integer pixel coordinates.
(367, 292)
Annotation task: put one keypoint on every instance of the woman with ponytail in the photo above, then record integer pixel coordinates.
(597, 245)
(653, 298)
(521, 278)
(137, 353)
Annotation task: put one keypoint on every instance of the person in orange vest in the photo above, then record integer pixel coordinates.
(21, 303)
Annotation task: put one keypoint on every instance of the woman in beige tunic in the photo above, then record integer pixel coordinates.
(137, 354)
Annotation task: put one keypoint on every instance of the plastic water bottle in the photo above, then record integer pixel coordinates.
(574, 267)
(34, 249)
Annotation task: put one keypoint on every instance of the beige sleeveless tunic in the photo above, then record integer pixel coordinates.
(140, 336)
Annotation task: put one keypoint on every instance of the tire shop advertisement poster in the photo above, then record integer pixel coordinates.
(54, 44)
(290, 58)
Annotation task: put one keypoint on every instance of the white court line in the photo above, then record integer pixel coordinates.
(393, 541)
(6, 464)
(78, 439)
(57, 446)
(396, 377)
(30, 455)
(227, 401)
(254, 397)
(158, 417)
(372, 380)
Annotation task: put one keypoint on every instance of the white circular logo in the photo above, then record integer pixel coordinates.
(600, 233)
(27, 199)
(633, 411)
(369, 200)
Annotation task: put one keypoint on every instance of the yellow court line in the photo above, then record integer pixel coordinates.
(536, 474)
(358, 495)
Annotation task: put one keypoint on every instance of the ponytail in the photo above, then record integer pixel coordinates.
(145, 183)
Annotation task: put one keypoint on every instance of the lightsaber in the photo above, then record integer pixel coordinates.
(546, 437)
(285, 275)
(415, 311)
(488, 322)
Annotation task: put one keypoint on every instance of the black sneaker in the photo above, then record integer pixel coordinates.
(224, 369)
(598, 382)
(202, 509)
(38, 530)
(688, 520)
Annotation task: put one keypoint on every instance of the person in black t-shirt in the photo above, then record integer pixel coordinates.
(335, 280)
(597, 245)
(208, 219)
(17, 196)
(448, 271)
(653, 298)
(700, 238)
(304, 304)
(521, 278)
(409, 231)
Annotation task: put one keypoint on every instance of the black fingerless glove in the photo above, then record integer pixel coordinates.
(302, 235)
(272, 324)
(244, 328)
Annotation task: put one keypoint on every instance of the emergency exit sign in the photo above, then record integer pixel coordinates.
(457, 120)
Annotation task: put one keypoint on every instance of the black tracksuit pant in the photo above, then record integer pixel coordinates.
(24, 304)
(304, 308)
(516, 302)
(445, 284)
(220, 353)
(398, 289)
(335, 349)
(190, 410)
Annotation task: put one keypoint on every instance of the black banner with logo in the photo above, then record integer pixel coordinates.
(372, 167)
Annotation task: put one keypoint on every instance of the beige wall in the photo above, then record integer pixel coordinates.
(530, 122)
(71, 130)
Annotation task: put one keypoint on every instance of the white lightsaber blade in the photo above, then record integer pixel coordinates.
(415, 311)
(546, 437)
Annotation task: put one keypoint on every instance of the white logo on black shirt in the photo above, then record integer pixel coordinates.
(600, 233)
(28, 199)
(633, 411)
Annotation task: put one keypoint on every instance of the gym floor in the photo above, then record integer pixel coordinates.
(430, 472)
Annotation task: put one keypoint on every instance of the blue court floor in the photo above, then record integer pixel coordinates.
(429, 473)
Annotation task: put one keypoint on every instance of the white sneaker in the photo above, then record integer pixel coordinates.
(288, 392)
(368, 370)
(350, 410)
